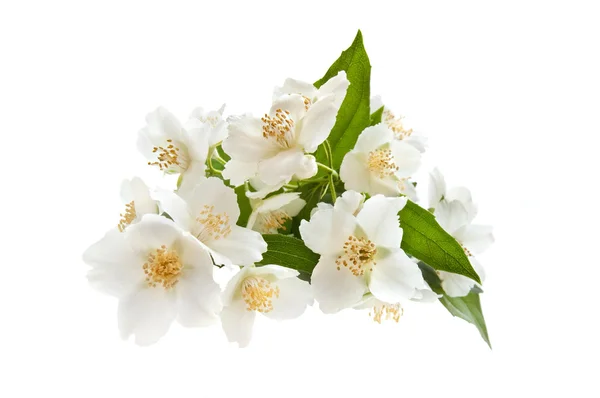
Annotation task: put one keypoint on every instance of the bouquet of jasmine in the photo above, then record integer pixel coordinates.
(314, 200)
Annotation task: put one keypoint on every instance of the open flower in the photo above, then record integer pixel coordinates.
(380, 164)
(159, 274)
(136, 197)
(360, 253)
(171, 148)
(271, 290)
(271, 214)
(396, 124)
(276, 148)
(455, 210)
(210, 212)
(337, 86)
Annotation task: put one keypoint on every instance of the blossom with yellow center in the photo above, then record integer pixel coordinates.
(138, 202)
(272, 214)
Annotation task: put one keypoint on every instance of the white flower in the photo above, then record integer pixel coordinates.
(454, 210)
(136, 197)
(396, 124)
(159, 274)
(212, 121)
(337, 85)
(277, 147)
(171, 148)
(360, 253)
(271, 290)
(271, 214)
(210, 212)
(380, 164)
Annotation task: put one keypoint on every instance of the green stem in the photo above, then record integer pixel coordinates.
(328, 169)
(332, 188)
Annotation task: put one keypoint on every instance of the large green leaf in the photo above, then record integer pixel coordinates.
(426, 240)
(289, 252)
(244, 204)
(467, 308)
(376, 117)
(353, 116)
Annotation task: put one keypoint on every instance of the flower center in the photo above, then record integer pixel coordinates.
(169, 157)
(387, 312)
(162, 268)
(279, 128)
(214, 225)
(127, 217)
(382, 162)
(275, 220)
(395, 124)
(258, 293)
(359, 254)
(307, 102)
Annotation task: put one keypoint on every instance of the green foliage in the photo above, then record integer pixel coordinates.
(244, 204)
(354, 114)
(376, 117)
(288, 251)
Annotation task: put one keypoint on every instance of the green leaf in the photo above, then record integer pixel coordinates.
(244, 204)
(290, 252)
(354, 114)
(467, 308)
(426, 240)
(376, 117)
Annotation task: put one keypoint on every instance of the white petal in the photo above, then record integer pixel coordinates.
(478, 267)
(198, 142)
(238, 323)
(238, 172)
(451, 216)
(354, 172)
(151, 233)
(375, 103)
(350, 201)
(335, 289)
(213, 193)
(246, 142)
(281, 167)
(175, 206)
(337, 85)
(317, 124)
(380, 221)
(418, 141)
(309, 168)
(437, 188)
(327, 230)
(199, 301)
(293, 103)
(406, 157)
(277, 202)
(195, 173)
(455, 285)
(147, 314)
(293, 86)
(294, 296)
(241, 247)
(463, 195)
(140, 194)
(117, 269)
(373, 138)
(395, 277)
(476, 238)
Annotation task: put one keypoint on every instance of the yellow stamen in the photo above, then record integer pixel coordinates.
(395, 124)
(307, 102)
(275, 220)
(258, 293)
(382, 162)
(127, 217)
(169, 157)
(214, 225)
(279, 128)
(387, 312)
(162, 268)
(358, 257)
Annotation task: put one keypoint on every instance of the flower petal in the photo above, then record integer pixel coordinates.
(213, 193)
(476, 238)
(406, 157)
(241, 247)
(199, 301)
(175, 206)
(238, 172)
(246, 142)
(337, 85)
(380, 221)
(437, 188)
(282, 167)
(335, 289)
(354, 172)
(350, 201)
(151, 233)
(395, 277)
(451, 215)
(455, 285)
(238, 323)
(147, 314)
(463, 195)
(327, 230)
(373, 138)
(315, 127)
(294, 296)
(293, 103)
(293, 86)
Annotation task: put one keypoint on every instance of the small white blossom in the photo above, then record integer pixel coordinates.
(380, 164)
(210, 212)
(396, 124)
(138, 202)
(360, 253)
(272, 290)
(271, 214)
(212, 121)
(455, 210)
(337, 86)
(159, 273)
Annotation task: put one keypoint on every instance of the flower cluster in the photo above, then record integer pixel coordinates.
(244, 180)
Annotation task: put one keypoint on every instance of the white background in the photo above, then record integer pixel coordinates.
(507, 92)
